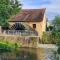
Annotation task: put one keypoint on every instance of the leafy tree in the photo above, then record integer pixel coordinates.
(16, 6)
(56, 31)
(56, 20)
(7, 9)
(49, 28)
(56, 34)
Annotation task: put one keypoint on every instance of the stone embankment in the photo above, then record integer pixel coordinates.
(47, 46)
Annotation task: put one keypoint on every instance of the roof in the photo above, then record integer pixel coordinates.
(29, 15)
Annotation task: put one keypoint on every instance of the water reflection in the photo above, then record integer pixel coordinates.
(28, 54)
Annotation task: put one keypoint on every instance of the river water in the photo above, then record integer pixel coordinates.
(29, 54)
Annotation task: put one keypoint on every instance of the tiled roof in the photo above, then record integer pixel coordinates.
(29, 15)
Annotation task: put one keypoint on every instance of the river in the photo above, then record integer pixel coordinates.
(29, 54)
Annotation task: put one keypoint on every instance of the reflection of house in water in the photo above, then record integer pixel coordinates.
(29, 21)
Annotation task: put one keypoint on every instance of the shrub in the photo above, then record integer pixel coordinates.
(7, 46)
(48, 38)
(4, 47)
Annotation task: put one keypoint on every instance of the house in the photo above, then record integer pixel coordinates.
(30, 19)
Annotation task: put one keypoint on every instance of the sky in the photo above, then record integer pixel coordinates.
(52, 6)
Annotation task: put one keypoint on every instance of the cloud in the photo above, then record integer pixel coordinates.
(52, 6)
(34, 2)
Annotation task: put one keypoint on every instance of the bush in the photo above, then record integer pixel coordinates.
(7, 47)
(56, 33)
(4, 47)
(48, 38)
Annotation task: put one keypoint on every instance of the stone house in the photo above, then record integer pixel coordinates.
(30, 20)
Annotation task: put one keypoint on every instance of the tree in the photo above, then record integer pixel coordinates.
(16, 6)
(7, 9)
(56, 31)
(49, 28)
(56, 23)
(56, 20)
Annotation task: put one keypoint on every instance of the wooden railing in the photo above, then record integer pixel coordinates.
(20, 32)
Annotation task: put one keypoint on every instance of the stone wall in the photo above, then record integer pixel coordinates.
(23, 41)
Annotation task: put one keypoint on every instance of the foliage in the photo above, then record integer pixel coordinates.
(7, 9)
(4, 47)
(56, 20)
(7, 46)
(16, 6)
(49, 28)
(48, 38)
(56, 31)
(56, 34)
(34, 40)
(58, 50)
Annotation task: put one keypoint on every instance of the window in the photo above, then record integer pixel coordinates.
(34, 26)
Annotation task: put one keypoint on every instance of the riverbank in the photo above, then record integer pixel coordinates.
(47, 46)
(44, 46)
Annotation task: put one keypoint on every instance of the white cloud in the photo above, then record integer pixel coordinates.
(52, 8)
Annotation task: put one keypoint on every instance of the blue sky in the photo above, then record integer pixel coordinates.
(52, 6)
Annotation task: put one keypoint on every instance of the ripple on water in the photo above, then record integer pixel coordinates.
(30, 54)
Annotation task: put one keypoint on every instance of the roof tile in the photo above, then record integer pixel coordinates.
(29, 15)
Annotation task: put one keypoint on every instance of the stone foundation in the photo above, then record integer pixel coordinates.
(24, 41)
